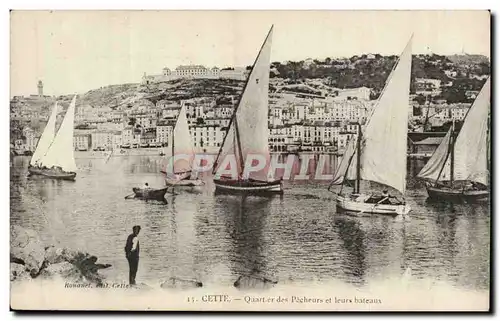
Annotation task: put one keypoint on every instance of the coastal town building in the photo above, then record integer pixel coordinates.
(206, 135)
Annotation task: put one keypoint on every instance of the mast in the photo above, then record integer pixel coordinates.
(173, 140)
(237, 136)
(358, 162)
(452, 151)
(233, 117)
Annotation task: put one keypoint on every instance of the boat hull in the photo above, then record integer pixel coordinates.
(348, 204)
(445, 193)
(248, 187)
(184, 182)
(149, 193)
(50, 173)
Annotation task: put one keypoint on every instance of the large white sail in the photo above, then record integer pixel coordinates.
(471, 143)
(182, 143)
(433, 168)
(470, 146)
(60, 152)
(384, 141)
(248, 131)
(46, 138)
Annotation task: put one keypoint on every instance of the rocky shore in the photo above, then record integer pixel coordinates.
(30, 258)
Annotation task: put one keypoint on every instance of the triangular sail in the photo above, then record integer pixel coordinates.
(384, 140)
(248, 131)
(182, 144)
(434, 167)
(471, 143)
(60, 152)
(341, 174)
(46, 138)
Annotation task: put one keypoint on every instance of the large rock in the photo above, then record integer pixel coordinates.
(177, 283)
(26, 247)
(82, 263)
(54, 255)
(18, 272)
(64, 270)
(28, 251)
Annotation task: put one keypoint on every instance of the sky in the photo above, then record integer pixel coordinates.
(76, 51)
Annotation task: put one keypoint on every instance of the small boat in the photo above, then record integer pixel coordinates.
(150, 193)
(179, 172)
(458, 169)
(254, 187)
(54, 155)
(378, 153)
(54, 172)
(247, 133)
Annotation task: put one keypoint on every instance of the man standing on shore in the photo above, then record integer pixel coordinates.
(132, 253)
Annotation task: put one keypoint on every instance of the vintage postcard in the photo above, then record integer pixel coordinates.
(250, 160)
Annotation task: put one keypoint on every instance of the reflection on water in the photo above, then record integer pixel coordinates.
(297, 238)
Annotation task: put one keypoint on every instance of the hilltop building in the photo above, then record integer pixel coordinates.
(195, 72)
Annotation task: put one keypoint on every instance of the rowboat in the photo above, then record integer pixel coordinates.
(150, 193)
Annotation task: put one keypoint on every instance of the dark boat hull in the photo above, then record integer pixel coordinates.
(150, 194)
(50, 173)
(445, 193)
(248, 187)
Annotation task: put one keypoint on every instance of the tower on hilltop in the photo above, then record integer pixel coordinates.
(40, 88)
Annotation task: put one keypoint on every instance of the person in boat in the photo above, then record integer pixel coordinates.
(384, 198)
(132, 253)
(146, 185)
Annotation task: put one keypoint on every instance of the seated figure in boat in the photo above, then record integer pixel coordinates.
(385, 198)
(146, 186)
(57, 169)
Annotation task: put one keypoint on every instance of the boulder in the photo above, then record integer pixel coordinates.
(65, 270)
(26, 246)
(176, 283)
(73, 256)
(253, 282)
(54, 255)
(18, 272)
(30, 257)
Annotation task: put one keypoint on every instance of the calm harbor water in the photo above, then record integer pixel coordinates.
(296, 238)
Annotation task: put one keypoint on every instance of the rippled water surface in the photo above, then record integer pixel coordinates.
(296, 238)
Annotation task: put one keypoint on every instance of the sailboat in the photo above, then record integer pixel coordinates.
(247, 134)
(378, 153)
(181, 173)
(458, 169)
(54, 155)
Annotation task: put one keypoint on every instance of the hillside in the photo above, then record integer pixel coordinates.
(372, 70)
(366, 70)
(468, 59)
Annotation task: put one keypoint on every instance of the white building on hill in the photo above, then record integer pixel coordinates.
(195, 72)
